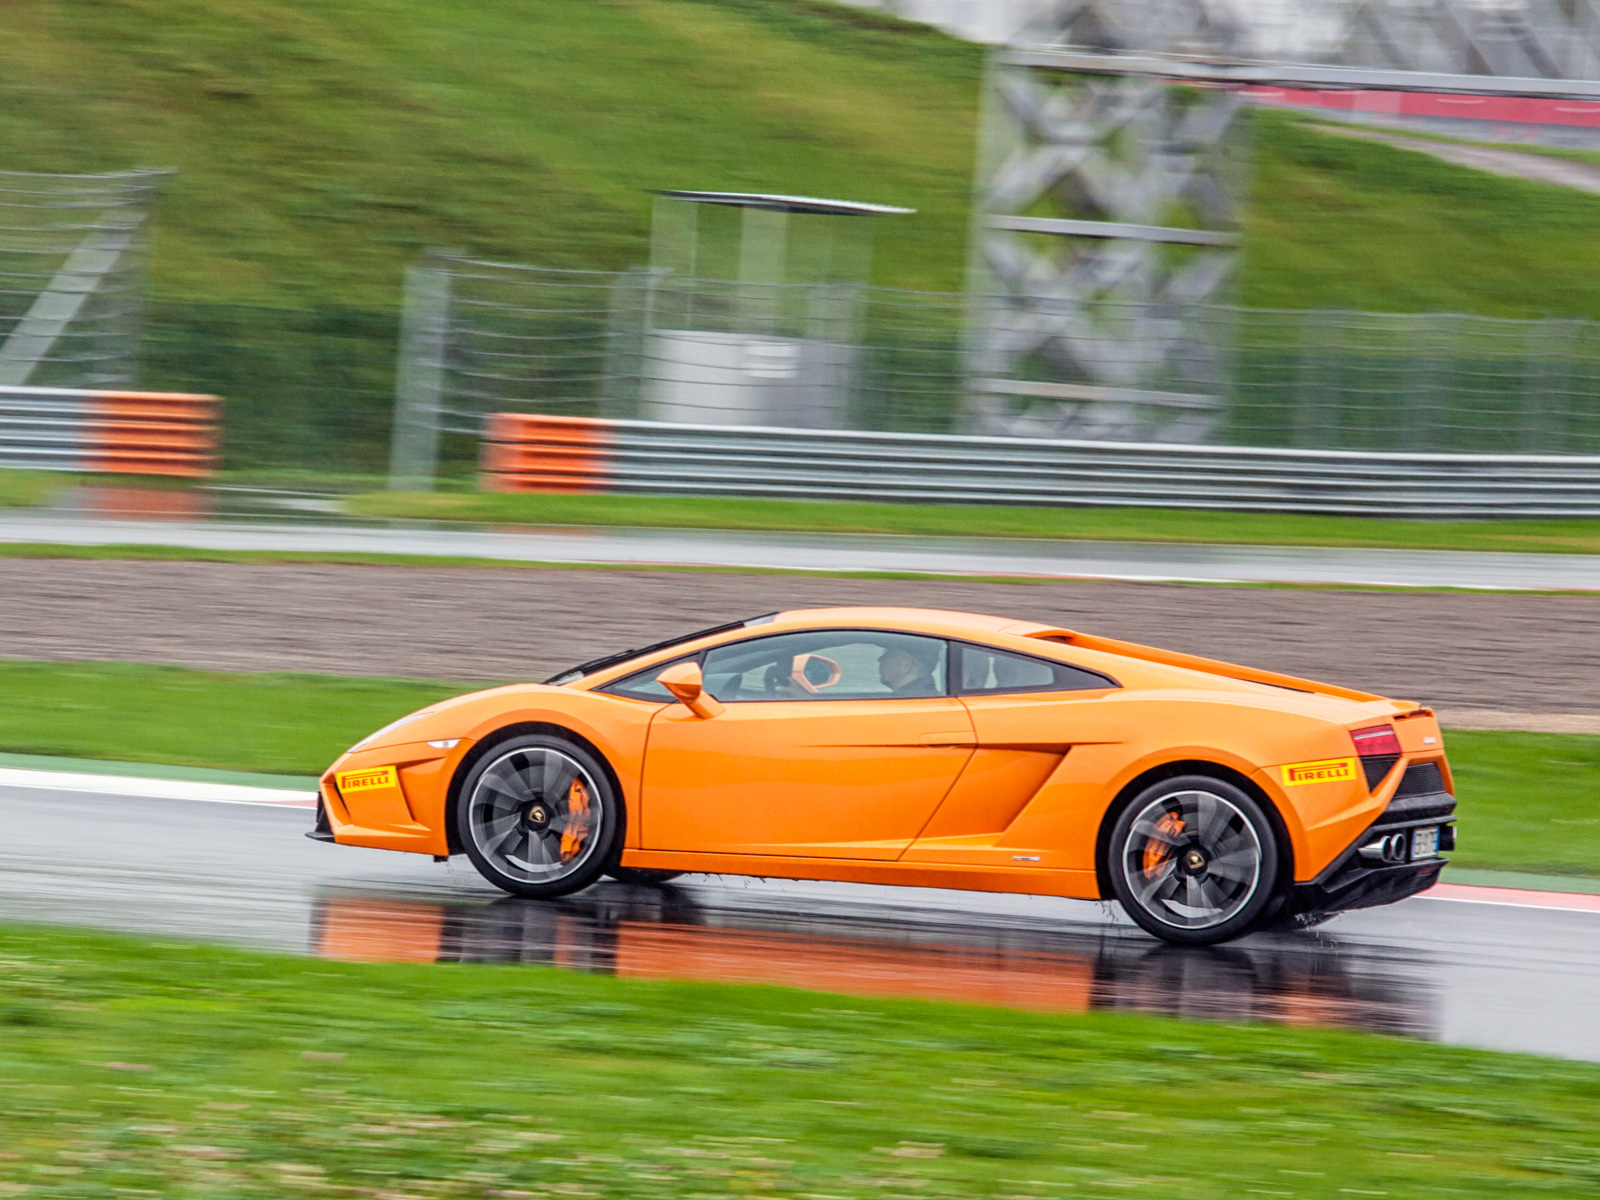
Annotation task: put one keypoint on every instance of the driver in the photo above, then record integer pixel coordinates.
(907, 669)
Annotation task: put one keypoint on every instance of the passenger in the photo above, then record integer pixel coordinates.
(907, 670)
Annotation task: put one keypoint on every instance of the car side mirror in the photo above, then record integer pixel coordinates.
(687, 686)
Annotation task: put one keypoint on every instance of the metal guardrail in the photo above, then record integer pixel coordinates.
(541, 453)
(488, 338)
(127, 433)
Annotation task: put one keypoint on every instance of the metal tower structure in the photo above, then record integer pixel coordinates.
(1108, 194)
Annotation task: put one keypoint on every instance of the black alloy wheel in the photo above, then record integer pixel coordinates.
(538, 817)
(1194, 860)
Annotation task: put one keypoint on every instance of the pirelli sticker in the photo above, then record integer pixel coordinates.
(367, 781)
(1327, 770)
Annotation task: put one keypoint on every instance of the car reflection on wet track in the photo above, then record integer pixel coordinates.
(1476, 974)
(668, 933)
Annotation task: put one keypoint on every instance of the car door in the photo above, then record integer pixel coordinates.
(1022, 708)
(829, 743)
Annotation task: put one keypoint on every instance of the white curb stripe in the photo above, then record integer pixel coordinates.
(155, 789)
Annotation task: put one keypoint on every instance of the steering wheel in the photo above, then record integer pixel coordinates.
(800, 672)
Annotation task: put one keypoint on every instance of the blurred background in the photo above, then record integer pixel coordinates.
(370, 230)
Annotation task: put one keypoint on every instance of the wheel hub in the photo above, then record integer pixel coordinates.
(1192, 860)
(537, 816)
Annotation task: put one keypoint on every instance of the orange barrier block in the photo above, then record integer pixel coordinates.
(531, 453)
(154, 433)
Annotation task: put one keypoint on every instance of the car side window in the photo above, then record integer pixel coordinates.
(985, 670)
(642, 685)
(831, 664)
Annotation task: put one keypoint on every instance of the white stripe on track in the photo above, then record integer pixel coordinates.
(155, 789)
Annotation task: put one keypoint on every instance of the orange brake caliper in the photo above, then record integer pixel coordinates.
(1156, 853)
(577, 819)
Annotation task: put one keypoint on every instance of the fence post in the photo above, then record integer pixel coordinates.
(419, 375)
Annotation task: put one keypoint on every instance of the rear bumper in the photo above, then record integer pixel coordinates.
(1364, 887)
(1352, 881)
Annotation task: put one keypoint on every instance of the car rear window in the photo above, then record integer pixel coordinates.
(985, 670)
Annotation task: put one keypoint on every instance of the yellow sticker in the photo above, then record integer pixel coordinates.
(368, 780)
(1328, 770)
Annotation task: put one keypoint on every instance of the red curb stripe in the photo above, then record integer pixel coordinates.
(1520, 897)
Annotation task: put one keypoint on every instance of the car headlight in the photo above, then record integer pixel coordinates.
(389, 728)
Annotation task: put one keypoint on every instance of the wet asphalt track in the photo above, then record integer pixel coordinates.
(1473, 974)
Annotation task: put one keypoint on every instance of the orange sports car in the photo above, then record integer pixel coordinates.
(924, 748)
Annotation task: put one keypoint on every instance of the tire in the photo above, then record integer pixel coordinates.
(1193, 860)
(642, 876)
(539, 817)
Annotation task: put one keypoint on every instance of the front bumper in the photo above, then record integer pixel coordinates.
(1351, 881)
(399, 805)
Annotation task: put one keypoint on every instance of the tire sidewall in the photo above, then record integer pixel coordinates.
(1266, 887)
(600, 859)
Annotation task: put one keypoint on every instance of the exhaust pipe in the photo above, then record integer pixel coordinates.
(1389, 850)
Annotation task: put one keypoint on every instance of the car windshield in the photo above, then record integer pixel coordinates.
(622, 656)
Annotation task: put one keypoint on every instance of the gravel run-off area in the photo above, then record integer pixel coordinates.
(1498, 653)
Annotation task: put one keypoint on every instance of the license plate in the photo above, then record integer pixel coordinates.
(1425, 843)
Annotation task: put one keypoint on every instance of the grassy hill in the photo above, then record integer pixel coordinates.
(1339, 223)
(320, 145)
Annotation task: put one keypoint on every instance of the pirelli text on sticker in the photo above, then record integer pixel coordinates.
(1327, 770)
(368, 780)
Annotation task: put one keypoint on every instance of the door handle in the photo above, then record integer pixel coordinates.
(958, 738)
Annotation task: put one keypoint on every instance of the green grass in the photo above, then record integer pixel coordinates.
(29, 489)
(280, 723)
(1337, 222)
(976, 520)
(1528, 801)
(132, 1067)
(1537, 149)
(320, 146)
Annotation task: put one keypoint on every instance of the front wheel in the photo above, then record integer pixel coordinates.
(1193, 860)
(538, 817)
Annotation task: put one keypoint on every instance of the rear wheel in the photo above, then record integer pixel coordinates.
(1194, 860)
(538, 816)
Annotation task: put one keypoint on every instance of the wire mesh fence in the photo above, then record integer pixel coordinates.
(305, 391)
(639, 343)
(69, 276)
(642, 345)
(1427, 382)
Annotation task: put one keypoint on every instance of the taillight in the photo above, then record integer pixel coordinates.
(1375, 740)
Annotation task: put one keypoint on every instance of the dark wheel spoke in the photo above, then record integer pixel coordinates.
(1153, 832)
(504, 844)
(557, 776)
(1155, 883)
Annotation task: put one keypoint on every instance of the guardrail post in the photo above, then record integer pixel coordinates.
(419, 376)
